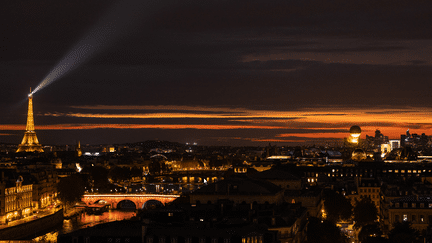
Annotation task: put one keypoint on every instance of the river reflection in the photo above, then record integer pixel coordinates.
(85, 220)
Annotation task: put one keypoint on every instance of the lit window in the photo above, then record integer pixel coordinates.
(405, 217)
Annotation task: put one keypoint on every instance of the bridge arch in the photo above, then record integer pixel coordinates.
(158, 156)
(126, 204)
(138, 199)
(152, 204)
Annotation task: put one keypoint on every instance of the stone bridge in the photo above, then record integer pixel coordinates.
(138, 199)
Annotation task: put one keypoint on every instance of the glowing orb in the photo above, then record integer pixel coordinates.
(355, 132)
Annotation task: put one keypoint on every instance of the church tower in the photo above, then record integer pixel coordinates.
(30, 142)
(78, 149)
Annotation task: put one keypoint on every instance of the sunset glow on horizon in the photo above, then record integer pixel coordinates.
(298, 126)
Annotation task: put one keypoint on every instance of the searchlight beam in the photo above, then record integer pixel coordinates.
(121, 17)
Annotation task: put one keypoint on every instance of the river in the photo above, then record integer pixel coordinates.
(84, 220)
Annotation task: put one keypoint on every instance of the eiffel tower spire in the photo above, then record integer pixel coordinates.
(30, 142)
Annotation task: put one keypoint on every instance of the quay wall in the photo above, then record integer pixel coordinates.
(32, 228)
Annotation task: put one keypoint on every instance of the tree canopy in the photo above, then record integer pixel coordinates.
(323, 232)
(71, 188)
(365, 212)
(136, 172)
(118, 173)
(404, 233)
(370, 231)
(99, 175)
(337, 207)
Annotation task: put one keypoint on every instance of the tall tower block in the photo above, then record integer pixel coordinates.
(30, 142)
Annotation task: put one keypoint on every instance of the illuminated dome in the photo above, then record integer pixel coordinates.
(355, 130)
(358, 155)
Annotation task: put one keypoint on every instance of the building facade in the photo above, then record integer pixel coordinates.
(15, 198)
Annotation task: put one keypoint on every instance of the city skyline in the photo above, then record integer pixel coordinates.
(218, 73)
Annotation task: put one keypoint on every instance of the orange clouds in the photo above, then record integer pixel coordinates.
(314, 135)
(391, 121)
(12, 127)
(271, 140)
(296, 126)
(136, 126)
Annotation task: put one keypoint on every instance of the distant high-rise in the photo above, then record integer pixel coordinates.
(30, 142)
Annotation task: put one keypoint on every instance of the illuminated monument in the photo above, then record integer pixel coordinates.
(355, 132)
(30, 142)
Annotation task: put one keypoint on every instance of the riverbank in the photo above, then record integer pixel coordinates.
(32, 228)
(72, 212)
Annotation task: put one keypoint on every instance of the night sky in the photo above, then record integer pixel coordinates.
(216, 72)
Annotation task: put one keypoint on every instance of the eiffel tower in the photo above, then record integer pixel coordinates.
(30, 142)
